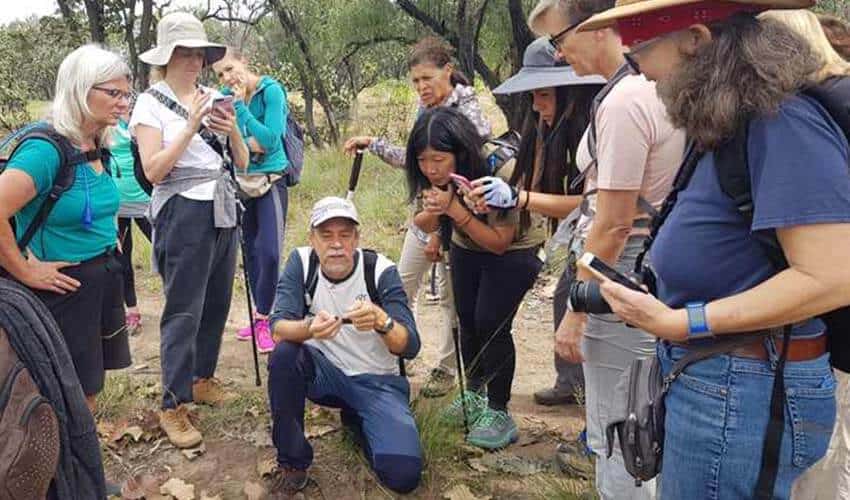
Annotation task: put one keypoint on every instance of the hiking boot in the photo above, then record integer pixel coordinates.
(573, 460)
(286, 481)
(209, 391)
(439, 383)
(554, 397)
(178, 427)
(475, 406)
(133, 322)
(245, 333)
(493, 430)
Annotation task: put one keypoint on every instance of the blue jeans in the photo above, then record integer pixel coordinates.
(375, 407)
(717, 416)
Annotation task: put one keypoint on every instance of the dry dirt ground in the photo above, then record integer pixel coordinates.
(238, 445)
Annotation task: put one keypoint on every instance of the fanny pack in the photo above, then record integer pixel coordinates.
(256, 185)
(638, 413)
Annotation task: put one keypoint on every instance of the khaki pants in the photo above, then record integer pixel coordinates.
(829, 479)
(412, 267)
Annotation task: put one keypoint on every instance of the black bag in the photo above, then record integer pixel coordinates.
(69, 159)
(501, 150)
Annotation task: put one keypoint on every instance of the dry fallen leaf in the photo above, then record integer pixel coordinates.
(179, 489)
(193, 453)
(475, 464)
(253, 491)
(265, 466)
(461, 492)
(317, 431)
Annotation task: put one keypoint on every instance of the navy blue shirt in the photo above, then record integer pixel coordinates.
(798, 162)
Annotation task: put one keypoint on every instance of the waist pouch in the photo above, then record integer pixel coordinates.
(638, 412)
(256, 185)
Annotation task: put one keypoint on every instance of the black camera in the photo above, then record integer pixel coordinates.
(585, 297)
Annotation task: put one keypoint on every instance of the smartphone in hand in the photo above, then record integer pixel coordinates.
(461, 181)
(223, 105)
(602, 271)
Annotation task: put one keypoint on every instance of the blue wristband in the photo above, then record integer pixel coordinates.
(697, 323)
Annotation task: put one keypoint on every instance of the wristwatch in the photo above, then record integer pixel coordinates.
(386, 327)
(697, 323)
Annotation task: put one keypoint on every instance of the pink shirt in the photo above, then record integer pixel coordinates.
(637, 148)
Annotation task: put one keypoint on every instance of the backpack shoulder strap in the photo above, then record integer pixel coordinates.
(731, 160)
(370, 262)
(310, 265)
(69, 159)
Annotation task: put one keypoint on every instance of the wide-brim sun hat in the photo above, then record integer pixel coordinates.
(181, 29)
(541, 69)
(641, 20)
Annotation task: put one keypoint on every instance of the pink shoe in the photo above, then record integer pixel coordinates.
(245, 333)
(265, 344)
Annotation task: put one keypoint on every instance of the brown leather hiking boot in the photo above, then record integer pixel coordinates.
(209, 391)
(286, 481)
(179, 428)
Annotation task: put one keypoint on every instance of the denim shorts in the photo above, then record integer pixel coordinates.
(717, 416)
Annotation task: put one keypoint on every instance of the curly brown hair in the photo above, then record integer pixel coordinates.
(748, 69)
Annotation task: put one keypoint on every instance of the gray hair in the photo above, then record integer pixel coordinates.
(747, 70)
(81, 70)
(539, 10)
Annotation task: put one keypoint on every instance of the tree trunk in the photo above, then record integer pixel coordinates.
(309, 122)
(289, 24)
(94, 12)
(147, 35)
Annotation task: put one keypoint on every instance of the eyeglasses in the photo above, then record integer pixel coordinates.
(631, 55)
(115, 93)
(555, 39)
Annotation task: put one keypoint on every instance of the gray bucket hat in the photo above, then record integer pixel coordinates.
(540, 70)
(181, 29)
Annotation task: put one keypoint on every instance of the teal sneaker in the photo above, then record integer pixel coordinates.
(493, 430)
(476, 404)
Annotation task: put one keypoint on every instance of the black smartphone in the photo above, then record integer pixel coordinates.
(601, 271)
(346, 321)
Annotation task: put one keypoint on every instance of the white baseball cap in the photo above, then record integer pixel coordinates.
(333, 207)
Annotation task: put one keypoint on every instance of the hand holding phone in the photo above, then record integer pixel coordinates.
(602, 271)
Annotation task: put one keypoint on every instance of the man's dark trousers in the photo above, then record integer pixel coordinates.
(375, 407)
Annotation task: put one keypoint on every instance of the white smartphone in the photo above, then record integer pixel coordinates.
(595, 266)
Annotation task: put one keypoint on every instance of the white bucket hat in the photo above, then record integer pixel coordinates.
(181, 29)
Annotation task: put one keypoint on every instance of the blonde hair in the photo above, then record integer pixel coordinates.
(806, 24)
(81, 70)
(540, 10)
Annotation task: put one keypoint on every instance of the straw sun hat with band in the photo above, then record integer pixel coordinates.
(181, 29)
(641, 20)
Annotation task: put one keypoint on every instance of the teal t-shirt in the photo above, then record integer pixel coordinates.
(122, 164)
(64, 236)
(264, 119)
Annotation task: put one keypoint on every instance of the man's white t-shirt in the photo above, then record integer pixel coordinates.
(149, 111)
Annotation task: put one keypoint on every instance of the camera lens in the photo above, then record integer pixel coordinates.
(586, 297)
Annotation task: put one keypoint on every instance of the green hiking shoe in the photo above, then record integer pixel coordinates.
(476, 404)
(493, 430)
(439, 383)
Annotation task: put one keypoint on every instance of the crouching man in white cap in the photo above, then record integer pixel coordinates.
(342, 326)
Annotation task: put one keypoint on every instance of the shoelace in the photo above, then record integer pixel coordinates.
(490, 418)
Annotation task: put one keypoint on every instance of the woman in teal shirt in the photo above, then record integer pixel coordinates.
(134, 207)
(70, 262)
(261, 111)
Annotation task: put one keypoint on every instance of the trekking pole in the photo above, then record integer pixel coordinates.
(354, 177)
(446, 235)
(243, 247)
(433, 289)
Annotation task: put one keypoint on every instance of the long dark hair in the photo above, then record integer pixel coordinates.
(560, 142)
(448, 130)
(432, 50)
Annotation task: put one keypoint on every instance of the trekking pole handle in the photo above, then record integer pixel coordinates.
(354, 177)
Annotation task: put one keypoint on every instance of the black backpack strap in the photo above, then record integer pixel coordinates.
(775, 427)
(178, 109)
(733, 173)
(370, 261)
(69, 158)
(311, 281)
